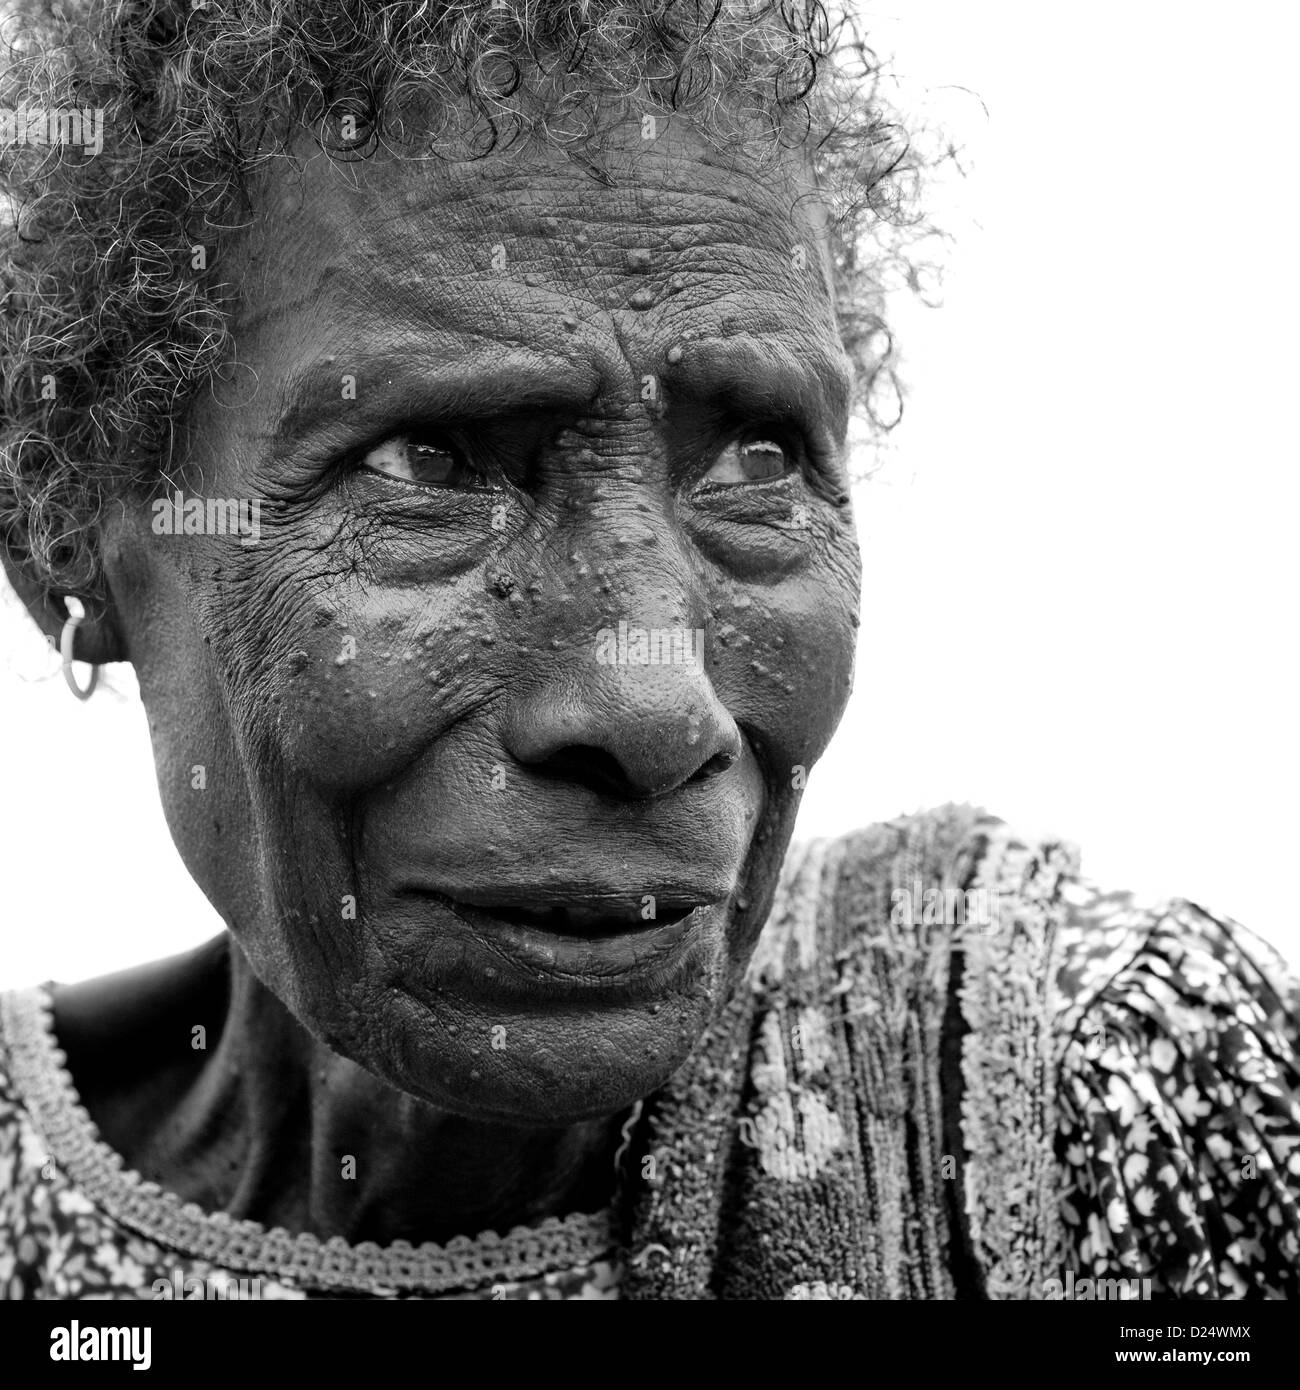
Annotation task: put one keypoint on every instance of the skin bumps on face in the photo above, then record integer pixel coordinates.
(500, 408)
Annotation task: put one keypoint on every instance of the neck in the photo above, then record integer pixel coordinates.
(265, 1122)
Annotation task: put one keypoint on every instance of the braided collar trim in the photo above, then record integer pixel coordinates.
(38, 1070)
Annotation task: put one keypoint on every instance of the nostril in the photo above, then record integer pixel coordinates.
(719, 762)
(593, 767)
(626, 745)
(588, 766)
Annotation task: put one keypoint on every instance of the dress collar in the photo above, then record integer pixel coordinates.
(37, 1069)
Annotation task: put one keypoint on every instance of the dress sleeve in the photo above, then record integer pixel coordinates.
(1179, 1103)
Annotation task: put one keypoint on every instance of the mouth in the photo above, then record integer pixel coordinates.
(590, 922)
(585, 941)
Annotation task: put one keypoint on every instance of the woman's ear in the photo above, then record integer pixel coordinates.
(98, 637)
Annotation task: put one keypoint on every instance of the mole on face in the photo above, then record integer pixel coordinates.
(553, 613)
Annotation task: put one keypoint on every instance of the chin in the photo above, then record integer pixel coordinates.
(520, 1017)
(541, 1065)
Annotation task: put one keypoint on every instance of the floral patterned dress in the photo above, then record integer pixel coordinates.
(1086, 1097)
(1180, 1102)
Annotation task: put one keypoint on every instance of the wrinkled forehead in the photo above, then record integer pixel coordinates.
(645, 243)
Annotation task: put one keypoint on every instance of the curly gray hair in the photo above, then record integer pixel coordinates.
(109, 321)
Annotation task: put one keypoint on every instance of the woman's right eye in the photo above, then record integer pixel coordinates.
(426, 460)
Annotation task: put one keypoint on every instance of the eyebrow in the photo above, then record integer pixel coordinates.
(744, 373)
(420, 382)
(757, 374)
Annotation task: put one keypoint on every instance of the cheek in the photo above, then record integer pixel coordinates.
(784, 660)
(344, 684)
(358, 695)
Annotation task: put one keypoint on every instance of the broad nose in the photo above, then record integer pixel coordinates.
(625, 730)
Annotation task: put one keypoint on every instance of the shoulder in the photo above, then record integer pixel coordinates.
(898, 871)
(1179, 1099)
(1116, 945)
(1128, 1069)
(953, 881)
(992, 894)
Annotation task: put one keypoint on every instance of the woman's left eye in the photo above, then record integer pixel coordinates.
(430, 462)
(750, 461)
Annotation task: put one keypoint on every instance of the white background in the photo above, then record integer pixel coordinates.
(1079, 595)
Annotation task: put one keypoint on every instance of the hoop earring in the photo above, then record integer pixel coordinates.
(66, 639)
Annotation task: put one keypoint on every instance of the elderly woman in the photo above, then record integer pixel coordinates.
(443, 408)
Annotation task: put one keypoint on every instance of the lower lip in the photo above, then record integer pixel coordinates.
(510, 953)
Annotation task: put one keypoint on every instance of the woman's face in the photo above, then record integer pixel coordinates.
(493, 411)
